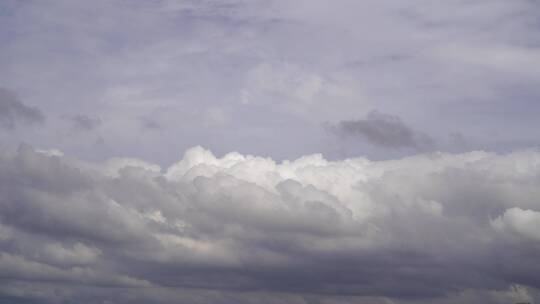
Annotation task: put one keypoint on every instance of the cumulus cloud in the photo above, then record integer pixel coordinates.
(382, 130)
(246, 229)
(14, 113)
(525, 223)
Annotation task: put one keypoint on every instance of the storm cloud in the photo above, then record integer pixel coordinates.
(14, 113)
(241, 227)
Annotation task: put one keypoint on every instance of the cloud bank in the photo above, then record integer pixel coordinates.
(431, 228)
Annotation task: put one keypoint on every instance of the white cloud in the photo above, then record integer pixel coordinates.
(418, 227)
(524, 223)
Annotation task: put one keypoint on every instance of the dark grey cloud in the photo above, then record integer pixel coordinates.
(383, 130)
(14, 113)
(84, 122)
(244, 229)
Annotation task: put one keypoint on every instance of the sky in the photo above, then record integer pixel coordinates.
(246, 151)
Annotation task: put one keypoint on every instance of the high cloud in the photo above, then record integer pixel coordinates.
(453, 228)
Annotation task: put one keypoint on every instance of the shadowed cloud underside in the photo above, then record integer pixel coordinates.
(423, 228)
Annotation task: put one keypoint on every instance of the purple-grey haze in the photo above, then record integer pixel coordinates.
(293, 152)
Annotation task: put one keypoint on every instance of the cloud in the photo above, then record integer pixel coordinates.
(427, 228)
(78, 254)
(83, 122)
(20, 268)
(149, 124)
(283, 78)
(524, 223)
(14, 113)
(276, 69)
(510, 59)
(383, 130)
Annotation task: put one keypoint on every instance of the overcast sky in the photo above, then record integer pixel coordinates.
(303, 151)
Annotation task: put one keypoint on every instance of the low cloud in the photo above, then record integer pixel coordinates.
(437, 227)
(383, 130)
(14, 113)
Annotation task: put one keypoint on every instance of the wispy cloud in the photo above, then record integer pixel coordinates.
(382, 130)
(14, 113)
(83, 122)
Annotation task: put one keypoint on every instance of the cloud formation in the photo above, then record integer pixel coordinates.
(14, 113)
(270, 72)
(83, 122)
(431, 228)
(153, 78)
(382, 130)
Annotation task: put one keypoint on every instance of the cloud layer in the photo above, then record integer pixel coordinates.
(254, 76)
(437, 228)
